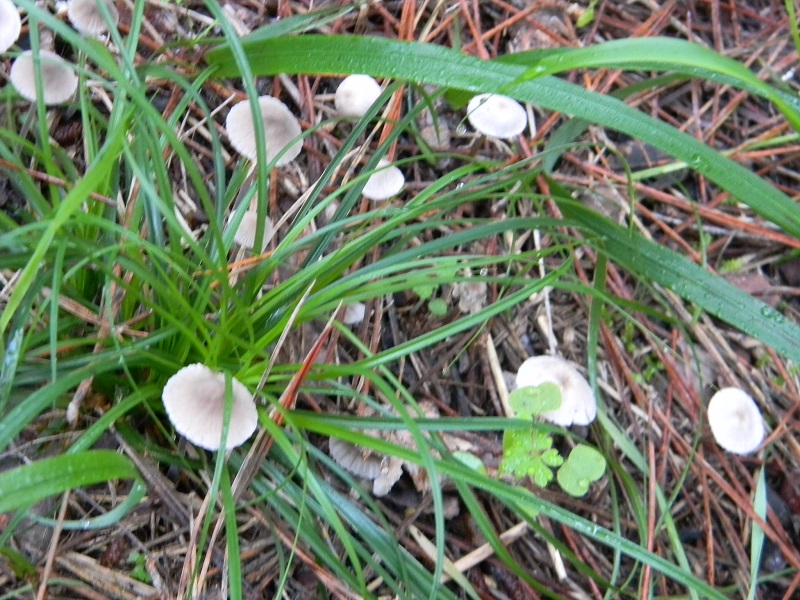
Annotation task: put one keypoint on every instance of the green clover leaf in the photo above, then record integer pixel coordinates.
(541, 475)
(531, 401)
(583, 466)
(552, 458)
(529, 453)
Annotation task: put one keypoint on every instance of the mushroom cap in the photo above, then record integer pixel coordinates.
(281, 130)
(58, 77)
(497, 116)
(392, 471)
(245, 236)
(10, 24)
(385, 182)
(358, 461)
(355, 94)
(354, 313)
(194, 398)
(578, 404)
(383, 471)
(735, 420)
(87, 17)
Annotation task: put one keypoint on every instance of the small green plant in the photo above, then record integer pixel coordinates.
(427, 292)
(583, 466)
(530, 452)
(139, 571)
(438, 307)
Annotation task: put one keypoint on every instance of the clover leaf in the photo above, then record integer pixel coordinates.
(531, 401)
(529, 453)
(583, 466)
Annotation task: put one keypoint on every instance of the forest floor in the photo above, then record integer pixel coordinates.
(656, 378)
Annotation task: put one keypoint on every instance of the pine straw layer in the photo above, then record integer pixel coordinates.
(653, 391)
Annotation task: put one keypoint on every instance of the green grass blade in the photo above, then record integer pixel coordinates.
(654, 54)
(689, 280)
(757, 536)
(22, 414)
(232, 537)
(517, 496)
(95, 173)
(25, 485)
(297, 24)
(429, 64)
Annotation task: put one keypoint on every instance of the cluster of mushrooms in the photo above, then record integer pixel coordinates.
(490, 114)
(59, 81)
(733, 416)
(194, 397)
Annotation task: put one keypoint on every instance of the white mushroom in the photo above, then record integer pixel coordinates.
(358, 461)
(281, 130)
(194, 398)
(87, 17)
(58, 77)
(245, 235)
(355, 94)
(383, 471)
(385, 182)
(497, 116)
(392, 471)
(578, 404)
(472, 295)
(735, 421)
(10, 24)
(354, 313)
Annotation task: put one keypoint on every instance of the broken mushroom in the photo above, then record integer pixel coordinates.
(88, 17)
(58, 77)
(281, 130)
(385, 182)
(194, 398)
(354, 313)
(497, 116)
(735, 421)
(383, 471)
(355, 94)
(10, 24)
(245, 235)
(578, 404)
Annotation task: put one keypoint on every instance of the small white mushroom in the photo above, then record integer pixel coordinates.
(578, 404)
(497, 116)
(194, 398)
(355, 94)
(358, 461)
(385, 182)
(10, 24)
(58, 77)
(472, 296)
(281, 130)
(354, 313)
(87, 16)
(383, 471)
(391, 473)
(245, 235)
(735, 421)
